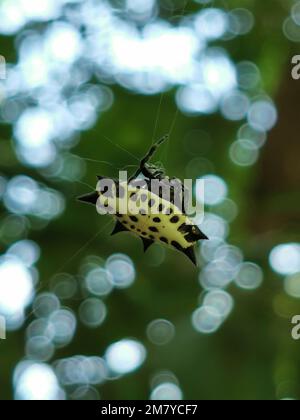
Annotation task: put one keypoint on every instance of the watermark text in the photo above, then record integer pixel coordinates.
(2, 68)
(155, 197)
(296, 328)
(296, 67)
(2, 328)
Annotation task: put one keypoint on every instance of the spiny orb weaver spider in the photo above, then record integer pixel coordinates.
(158, 219)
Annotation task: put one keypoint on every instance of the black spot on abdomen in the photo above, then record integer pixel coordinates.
(165, 240)
(174, 219)
(153, 229)
(133, 219)
(156, 220)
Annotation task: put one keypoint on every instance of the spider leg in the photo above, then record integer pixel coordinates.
(152, 151)
(143, 168)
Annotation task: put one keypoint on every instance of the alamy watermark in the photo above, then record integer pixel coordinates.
(155, 196)
(2, 68)
(2, 328)
(296, 67)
